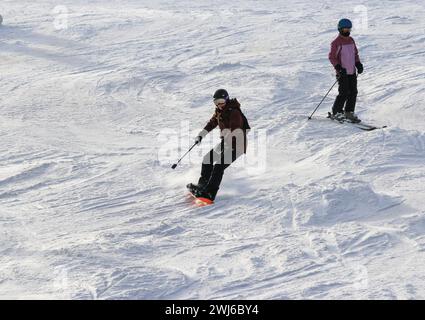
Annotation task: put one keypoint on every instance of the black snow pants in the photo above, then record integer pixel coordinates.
(347, 94)
(213, 165)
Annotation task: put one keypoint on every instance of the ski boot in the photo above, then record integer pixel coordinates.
(337, 116)
(204, 195)
(193, 188)
(351, 116)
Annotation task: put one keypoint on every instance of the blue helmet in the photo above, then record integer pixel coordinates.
(344, 23)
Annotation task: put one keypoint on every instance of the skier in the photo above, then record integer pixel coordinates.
(344, 56)
(233, 125)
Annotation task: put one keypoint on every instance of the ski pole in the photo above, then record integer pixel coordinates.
(175, 165)
(309, 118)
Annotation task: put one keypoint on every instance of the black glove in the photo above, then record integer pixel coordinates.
(359, 67)
(198, 139)
(341, 72)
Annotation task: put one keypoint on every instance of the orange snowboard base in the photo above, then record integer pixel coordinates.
(201, 202)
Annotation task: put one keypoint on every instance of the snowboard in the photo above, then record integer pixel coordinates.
(199, 201)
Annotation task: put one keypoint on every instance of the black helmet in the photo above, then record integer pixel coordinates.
(221, 94)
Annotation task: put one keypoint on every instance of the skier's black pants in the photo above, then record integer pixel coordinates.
(347, 94)
(213, 165)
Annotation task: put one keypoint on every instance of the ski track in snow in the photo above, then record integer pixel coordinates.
(89, 211)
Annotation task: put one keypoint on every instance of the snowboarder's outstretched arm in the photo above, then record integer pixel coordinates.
(211, 125)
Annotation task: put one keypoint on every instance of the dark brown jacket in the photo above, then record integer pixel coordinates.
(230, 118)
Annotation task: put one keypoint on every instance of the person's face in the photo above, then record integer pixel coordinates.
(346, 31)
(220, 103)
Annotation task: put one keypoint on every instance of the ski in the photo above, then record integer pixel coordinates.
(360, 125)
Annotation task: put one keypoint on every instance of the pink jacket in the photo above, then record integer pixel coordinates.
(344, 52)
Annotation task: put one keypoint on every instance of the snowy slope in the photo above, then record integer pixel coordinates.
(90, 209)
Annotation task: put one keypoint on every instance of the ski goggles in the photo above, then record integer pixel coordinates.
(220, 101)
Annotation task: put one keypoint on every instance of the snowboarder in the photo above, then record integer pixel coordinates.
(233, 125)
(344, 56)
